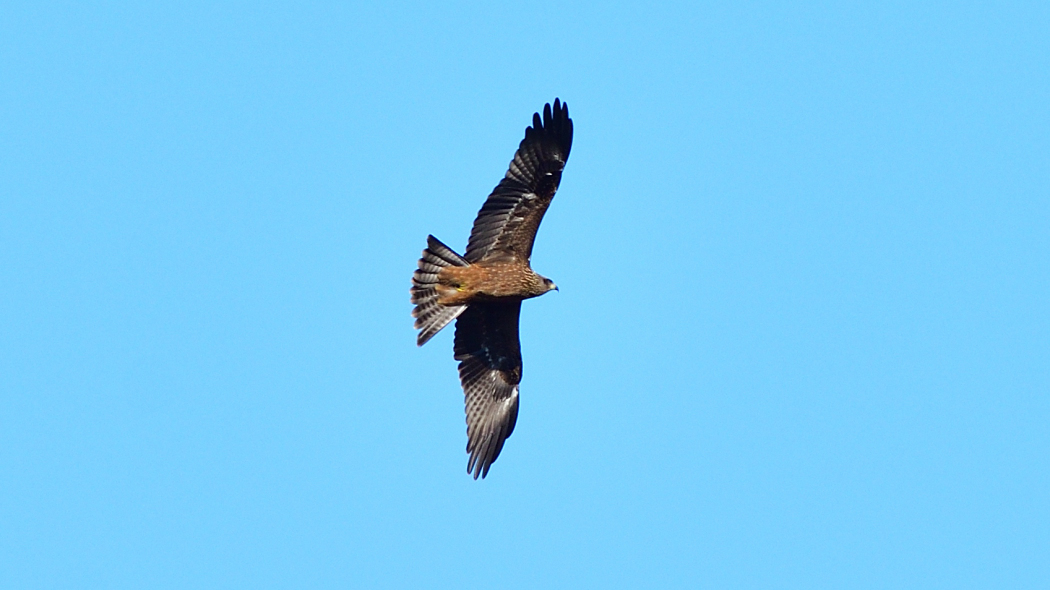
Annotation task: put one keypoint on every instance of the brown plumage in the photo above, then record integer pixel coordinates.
(484, 288)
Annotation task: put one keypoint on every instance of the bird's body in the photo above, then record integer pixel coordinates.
(483, 289)
(493, 281)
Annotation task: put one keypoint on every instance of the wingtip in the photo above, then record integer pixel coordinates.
(560, 110)
(557, 119)
(552, 111)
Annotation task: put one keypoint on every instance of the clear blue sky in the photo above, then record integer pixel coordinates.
(802, 338)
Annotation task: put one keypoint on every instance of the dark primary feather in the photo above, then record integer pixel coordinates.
(490, 369)
(507, 223)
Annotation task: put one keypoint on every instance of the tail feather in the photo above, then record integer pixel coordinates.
(430, 315)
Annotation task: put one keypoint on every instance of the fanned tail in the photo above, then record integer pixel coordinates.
(430, 315)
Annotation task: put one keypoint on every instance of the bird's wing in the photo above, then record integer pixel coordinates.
(490, 369)
(506, 225)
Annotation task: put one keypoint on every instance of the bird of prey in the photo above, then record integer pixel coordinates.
(484, 288)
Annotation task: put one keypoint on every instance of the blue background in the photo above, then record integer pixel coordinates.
(802, 338)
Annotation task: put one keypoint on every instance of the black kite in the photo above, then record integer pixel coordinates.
(484, 287)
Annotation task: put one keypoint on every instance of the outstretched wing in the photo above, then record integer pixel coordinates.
(506, 225)
(490, 369)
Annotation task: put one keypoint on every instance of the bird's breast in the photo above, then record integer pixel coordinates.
(485, 281)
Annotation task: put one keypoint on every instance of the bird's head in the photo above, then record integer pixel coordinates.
(549, 284)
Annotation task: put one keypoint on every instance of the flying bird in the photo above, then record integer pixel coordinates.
(483, 289)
